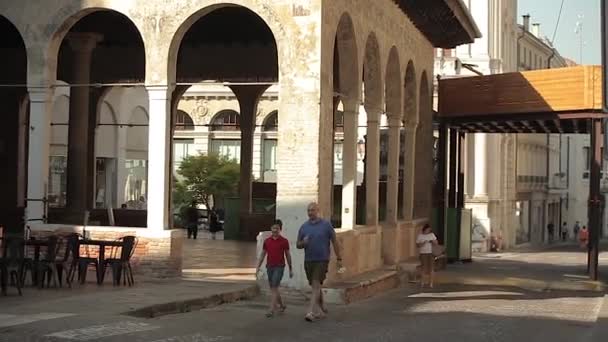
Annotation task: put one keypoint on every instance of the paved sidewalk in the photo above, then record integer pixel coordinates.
(545, 268)
(145, 299)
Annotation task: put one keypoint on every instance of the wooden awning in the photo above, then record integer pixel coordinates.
(445, 23)
(542, 101)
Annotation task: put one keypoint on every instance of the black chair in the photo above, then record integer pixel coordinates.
(123, 264)
(11, 264)
(46, 266)
(69, 261)
(81, 262)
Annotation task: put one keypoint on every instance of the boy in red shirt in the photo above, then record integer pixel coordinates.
(276, 248)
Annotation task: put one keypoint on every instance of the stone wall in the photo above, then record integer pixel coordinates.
(399, 242)
(155, 256)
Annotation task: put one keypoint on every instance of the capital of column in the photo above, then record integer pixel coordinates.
(41, 94)
(84, 41)
(159, 92)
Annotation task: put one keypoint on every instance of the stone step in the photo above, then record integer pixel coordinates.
(363, 286)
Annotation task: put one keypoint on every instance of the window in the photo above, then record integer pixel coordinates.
(183, 121)
(230, 148)
(226, 120)
(271, 124)
(137, 183)
(57, 181)
(270, 155)
(182, 148)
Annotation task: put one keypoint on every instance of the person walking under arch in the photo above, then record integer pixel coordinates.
(276, 251)
(315, 236)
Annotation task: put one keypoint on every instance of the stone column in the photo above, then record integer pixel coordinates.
(409, 162)
(349, 165)
(79, 134)
(41, 110)
(248, 97)
(159, 158)
(372, 168)
(392, 186)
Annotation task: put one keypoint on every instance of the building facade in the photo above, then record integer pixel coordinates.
(514, 183)
(319, 55)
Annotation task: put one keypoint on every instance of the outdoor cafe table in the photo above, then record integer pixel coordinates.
(102, 244)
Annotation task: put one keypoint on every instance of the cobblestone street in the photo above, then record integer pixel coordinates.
(454, 312)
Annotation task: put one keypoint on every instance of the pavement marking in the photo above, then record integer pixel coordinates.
(464, 294)
(104, 330)
(7, 320)
(195, 338)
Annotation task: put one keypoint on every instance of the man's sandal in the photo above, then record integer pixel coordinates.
(282, 309)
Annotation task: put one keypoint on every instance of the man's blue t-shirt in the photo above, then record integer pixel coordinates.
(319, 234)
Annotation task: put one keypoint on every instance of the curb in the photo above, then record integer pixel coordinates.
(526, 284)
(194, 304)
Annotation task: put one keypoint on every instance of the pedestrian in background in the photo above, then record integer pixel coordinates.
(575, 230)
(191, 218)
(583, 237)
(425, 242)
(276, 251)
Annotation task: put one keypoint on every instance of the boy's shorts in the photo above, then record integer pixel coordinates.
(275, 275)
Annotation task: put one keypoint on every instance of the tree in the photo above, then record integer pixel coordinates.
(209, 176)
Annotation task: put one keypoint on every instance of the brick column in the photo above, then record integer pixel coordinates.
(392, 186)
(349, 165)
(372, 168)
(159, 158)
(409, 162)
(41, 108)
(79, 133)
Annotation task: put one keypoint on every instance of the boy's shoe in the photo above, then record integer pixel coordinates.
(270, 314)
(282, 309)
(310, 317)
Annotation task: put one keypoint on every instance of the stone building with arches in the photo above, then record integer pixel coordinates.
(318, 55)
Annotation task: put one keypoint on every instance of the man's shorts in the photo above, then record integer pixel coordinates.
(275, 275)
(316, 270)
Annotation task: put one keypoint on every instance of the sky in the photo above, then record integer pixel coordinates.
(567, 41)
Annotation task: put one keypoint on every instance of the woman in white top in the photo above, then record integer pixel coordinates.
(425, 241)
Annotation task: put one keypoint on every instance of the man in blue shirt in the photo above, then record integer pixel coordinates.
(314, 237)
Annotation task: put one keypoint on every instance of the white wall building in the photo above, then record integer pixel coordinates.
(514, 183)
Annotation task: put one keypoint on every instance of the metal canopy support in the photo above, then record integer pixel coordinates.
(595, 198)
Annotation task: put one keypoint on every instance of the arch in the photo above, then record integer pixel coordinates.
(183, 121)
(252, 27)
(393, 85)
(372, 76)
(14, 64)
(410, 103)
(271, 122)
(117, 30)
(346, 60)
(225, 120)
